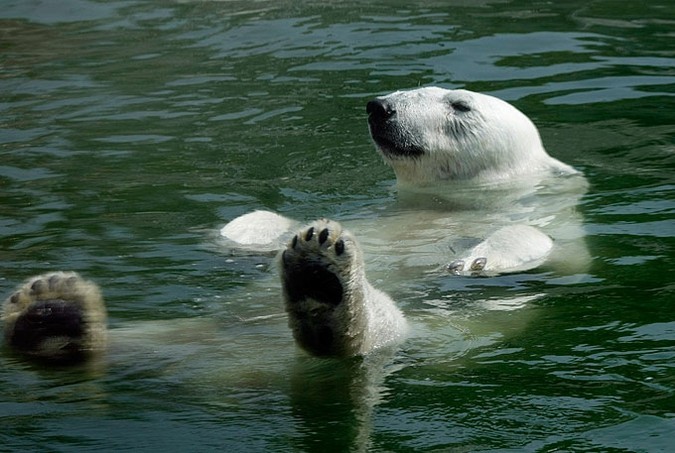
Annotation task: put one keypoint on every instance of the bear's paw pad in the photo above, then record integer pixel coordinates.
(317, 262)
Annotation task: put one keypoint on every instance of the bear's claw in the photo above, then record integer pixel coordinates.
(478, 264)
(323, 235)
(457, 267)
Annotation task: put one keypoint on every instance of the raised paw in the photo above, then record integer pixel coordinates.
(56, 316)
(320, 273)
(332, 308)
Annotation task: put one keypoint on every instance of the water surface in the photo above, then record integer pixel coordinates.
(131, 131)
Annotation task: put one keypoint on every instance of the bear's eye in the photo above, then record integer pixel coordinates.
(460, 106)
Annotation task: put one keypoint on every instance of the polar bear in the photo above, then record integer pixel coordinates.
(57, 316)
(468, 166)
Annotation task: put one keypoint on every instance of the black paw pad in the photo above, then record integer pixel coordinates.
(307, 280)
(48, 319)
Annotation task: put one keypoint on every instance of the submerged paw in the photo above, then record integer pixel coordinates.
(459, 267)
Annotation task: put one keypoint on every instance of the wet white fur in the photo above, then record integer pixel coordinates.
(498, 143)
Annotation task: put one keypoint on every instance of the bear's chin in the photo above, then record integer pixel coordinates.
(394, 149)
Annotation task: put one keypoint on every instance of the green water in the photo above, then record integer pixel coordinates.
(132, 131)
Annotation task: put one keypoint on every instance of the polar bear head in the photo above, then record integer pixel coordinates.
(432, 134)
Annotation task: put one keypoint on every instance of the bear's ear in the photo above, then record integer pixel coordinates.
(460, 105)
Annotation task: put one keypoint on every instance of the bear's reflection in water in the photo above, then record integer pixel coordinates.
(233, 368)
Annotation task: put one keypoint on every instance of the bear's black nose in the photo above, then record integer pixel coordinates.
(379, 109)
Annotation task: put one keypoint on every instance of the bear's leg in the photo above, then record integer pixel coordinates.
(323, 277)
(332, 308)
